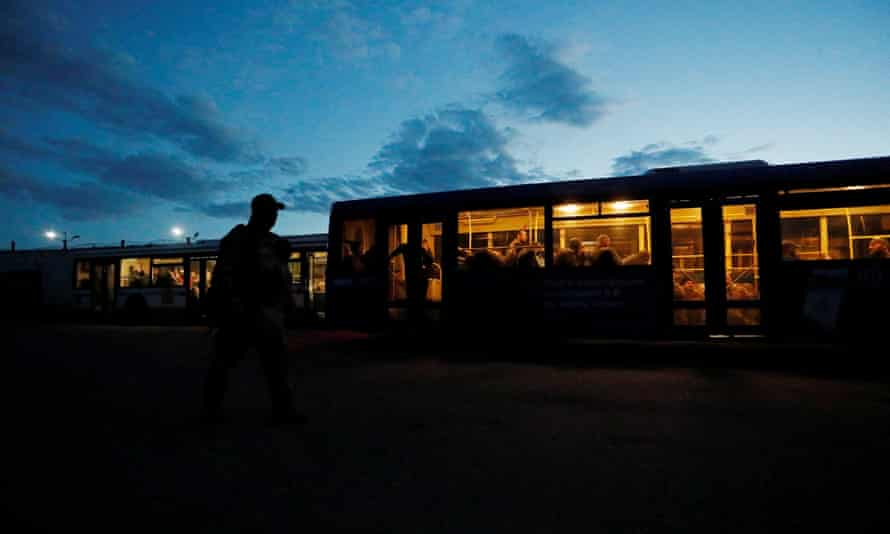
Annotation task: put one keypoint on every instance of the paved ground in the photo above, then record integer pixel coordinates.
(100, 432)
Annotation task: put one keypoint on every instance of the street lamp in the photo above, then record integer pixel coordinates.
(179, 232)
(52, 235)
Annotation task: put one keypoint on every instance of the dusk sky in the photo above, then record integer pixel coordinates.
(122, 119)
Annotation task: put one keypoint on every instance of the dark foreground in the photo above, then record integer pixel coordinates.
(100, 434)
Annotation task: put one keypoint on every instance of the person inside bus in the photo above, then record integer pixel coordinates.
(790, 251)
(573, 256)
(517, 246)
(878, 249)
(605, 257)
(418, 262)
(686, 288)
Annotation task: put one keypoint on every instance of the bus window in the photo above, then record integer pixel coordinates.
(740, 241)
(590, 235)
(431, 241)
(397, 236)
(358, 245)
(82, 275)
(687, 253)
(500, 238)
(835, 233)
(167, 272)
(134, 272)
(294, 265)
(209, 265)
(318, 264)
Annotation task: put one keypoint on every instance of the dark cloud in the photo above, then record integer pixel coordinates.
(316, 196)
(165, 177)
(95, 85)
(226, 210)
(292, 166)
(454, 148)
(658, 155)
(536, 82)
(83, 201)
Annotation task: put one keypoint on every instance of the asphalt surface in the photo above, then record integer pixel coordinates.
(101, 434)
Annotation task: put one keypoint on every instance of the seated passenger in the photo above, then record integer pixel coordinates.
(685, 288)
(790, 251)
(640, 258)
(877, 249)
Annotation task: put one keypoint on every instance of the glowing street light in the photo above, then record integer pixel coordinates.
(52, 235)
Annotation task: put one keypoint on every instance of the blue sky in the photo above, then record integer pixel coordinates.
(123, 119)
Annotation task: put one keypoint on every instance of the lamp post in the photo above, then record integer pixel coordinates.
(52, 235)
(178, 232)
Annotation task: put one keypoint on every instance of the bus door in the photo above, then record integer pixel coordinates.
(318, 261)
(414, 270)
(103, 284)
(715, 266)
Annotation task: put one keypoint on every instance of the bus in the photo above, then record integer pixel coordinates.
(156, 281)
(730, 249)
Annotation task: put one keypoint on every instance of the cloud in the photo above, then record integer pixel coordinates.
(453, 148)
(94, 85)
(164, 176)
(536, 82)
(84, 201)
(758, 148)
(226, 210)
(659, 155)
(292, 166)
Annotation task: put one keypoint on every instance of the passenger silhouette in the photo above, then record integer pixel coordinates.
(252, 298)
(418, 265)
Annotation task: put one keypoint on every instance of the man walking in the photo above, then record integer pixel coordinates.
(249, 301)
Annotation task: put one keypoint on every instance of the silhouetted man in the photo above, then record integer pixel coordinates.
(252, 300)
(418, 263)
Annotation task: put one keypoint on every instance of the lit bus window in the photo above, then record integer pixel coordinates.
(167, 272)
(622, 207)
(689, 316)
(573, 209)
(318, 262)
(836, 233)
(397, 239)
(838, 189)
(500, 238)
(431, 241)
(687, 253)
(294, 265)
(358, 246)
(82, 275)
(740, 242)
(743, 316)
(134, 272)
(208, 272)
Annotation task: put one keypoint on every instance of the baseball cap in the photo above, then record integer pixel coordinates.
(265, 201)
